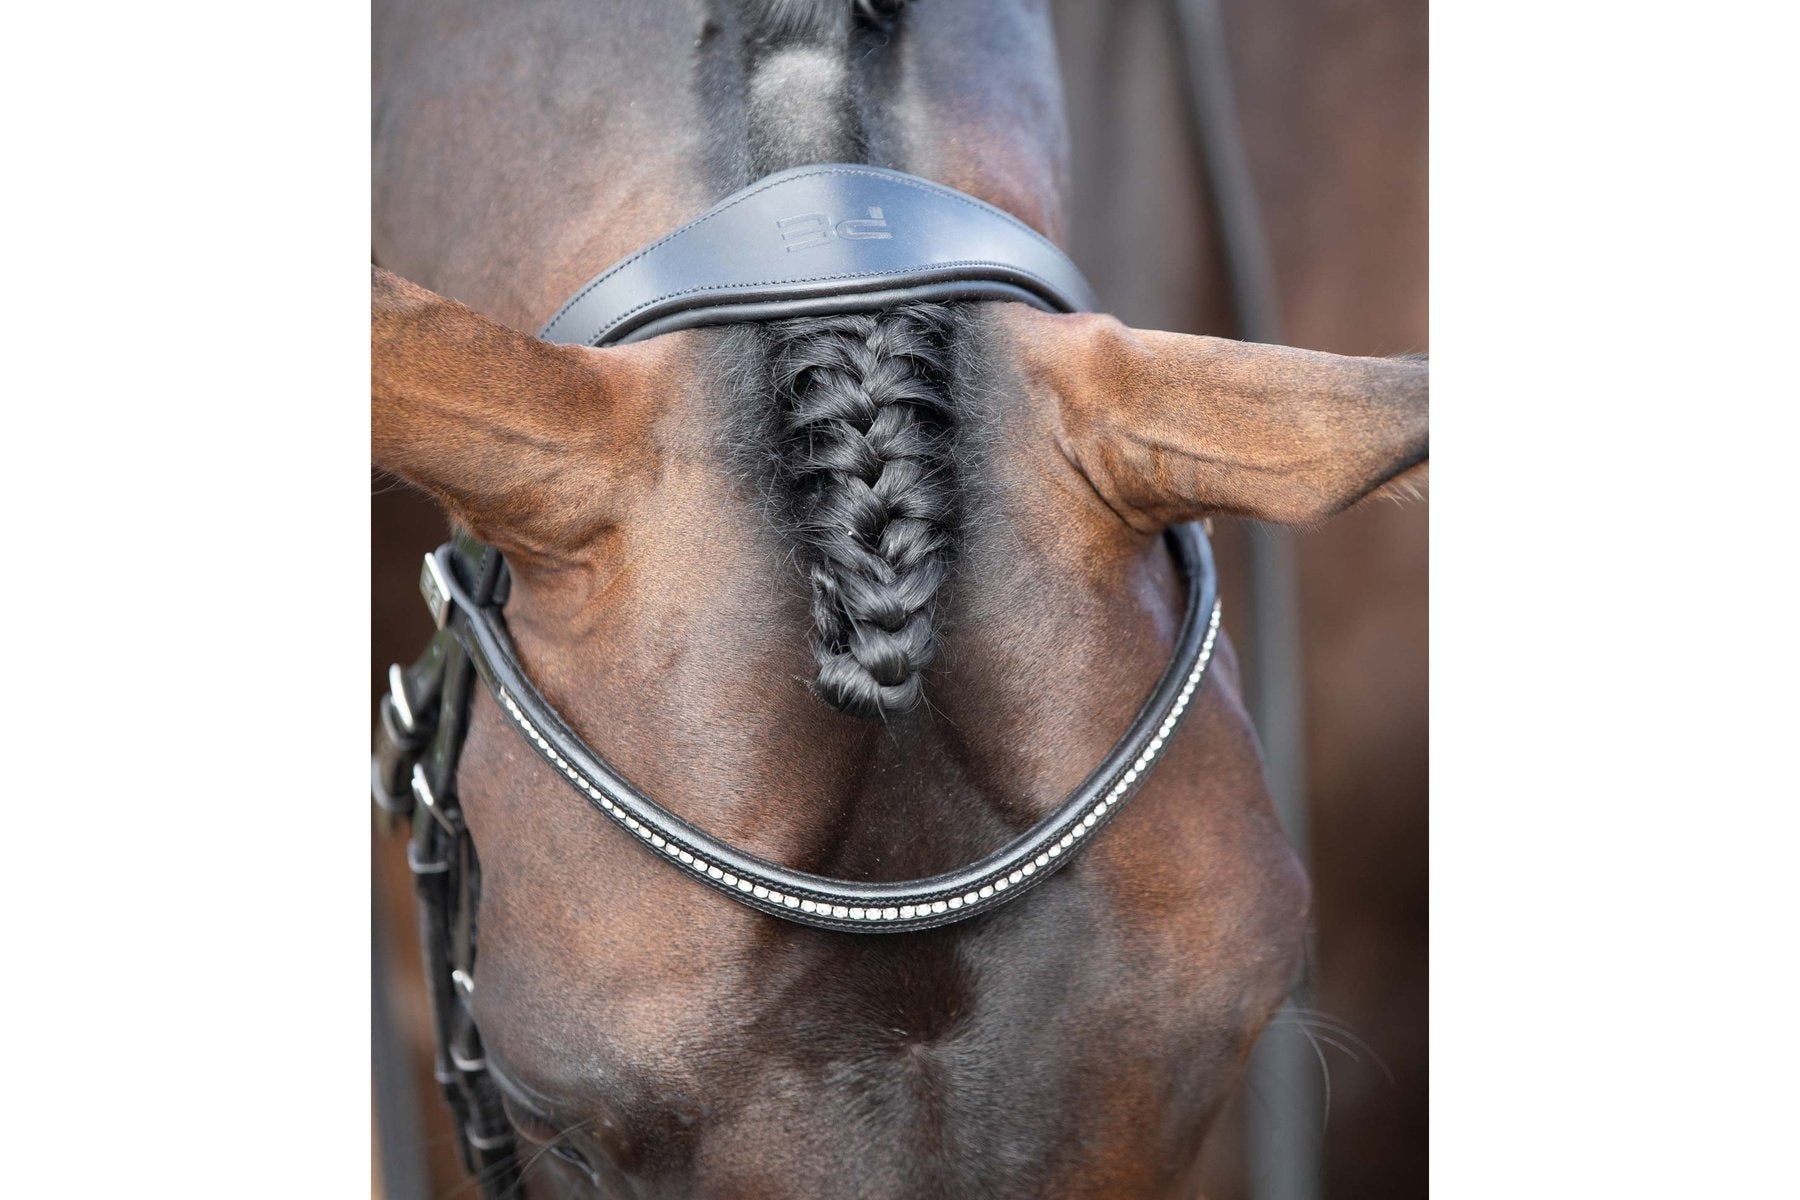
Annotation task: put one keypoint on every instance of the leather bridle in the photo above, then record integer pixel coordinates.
(829, 238)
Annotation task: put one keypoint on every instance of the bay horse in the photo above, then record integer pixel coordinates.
(723, 653)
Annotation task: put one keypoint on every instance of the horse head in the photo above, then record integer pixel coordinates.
(864, 594)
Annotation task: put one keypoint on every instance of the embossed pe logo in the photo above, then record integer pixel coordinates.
(815, 229)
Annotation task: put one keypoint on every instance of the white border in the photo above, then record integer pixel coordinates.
(1613, 602)
(1614, 646)
(186, 436)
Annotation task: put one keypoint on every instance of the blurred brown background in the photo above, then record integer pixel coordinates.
(1332, 98)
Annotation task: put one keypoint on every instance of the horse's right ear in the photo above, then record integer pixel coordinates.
(527, 444)
(1169, 427)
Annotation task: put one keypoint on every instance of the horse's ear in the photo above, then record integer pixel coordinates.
(526, 443)
(1171, 427)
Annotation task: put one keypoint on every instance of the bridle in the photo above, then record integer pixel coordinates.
(820, 239)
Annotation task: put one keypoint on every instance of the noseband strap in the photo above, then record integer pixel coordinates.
(831, 238)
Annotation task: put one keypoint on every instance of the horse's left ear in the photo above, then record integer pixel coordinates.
(1170, 427)
(527, 444)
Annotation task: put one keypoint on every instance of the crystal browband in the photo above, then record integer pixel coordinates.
(479, 630)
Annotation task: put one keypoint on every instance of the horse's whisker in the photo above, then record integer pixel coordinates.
(1325, 1023)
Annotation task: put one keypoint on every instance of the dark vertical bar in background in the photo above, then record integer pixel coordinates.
(1283, 1119)
(399, 1131)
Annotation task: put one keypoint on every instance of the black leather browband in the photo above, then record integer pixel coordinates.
(830, 238)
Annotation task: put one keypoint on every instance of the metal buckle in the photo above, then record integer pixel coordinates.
(421, 787)
(402, 702)
(467, 1066)
(421, 790)
(490, 1143)
(420, 867)
(435, 587)
(392, 806)
(463, 981)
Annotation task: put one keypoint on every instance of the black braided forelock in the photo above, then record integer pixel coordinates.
(866, 459)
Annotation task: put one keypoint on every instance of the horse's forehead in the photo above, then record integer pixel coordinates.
(501, 186)
(526, 196)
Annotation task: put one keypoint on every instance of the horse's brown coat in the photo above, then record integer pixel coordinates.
(1075, 1044)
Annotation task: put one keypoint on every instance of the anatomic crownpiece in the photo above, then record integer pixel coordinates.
(832, 238)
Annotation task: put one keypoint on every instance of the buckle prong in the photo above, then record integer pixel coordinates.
(421, 787)
(435, 587)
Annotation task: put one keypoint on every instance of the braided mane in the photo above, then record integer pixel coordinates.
(855, 417)
(864, 457)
